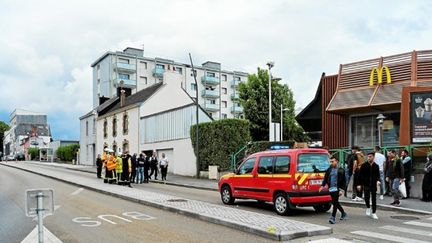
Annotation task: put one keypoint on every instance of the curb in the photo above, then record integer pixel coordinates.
(279, 236)
(185, 185)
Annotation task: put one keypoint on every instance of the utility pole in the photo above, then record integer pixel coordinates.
(197, 119)
(270, 64)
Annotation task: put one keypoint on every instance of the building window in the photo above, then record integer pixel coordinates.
(114, 126)
(123, 76)
(178, 70)
(114, 147)
(224, 77)
(224, 104)
(94, 126)
(105, 128)
(160, 66)
(364, 132)
(210, 114)
(125, 123)
(210, 74)
(193, 86)
(224, 91)
(87, 128)
(105, 145)
(144, 64)
(144, 79)
(123, 60)
(224, 116)
(125, 146)
(194, 72)
(237, 78)
(213, 102)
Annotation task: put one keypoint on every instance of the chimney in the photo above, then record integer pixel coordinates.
(122, 98)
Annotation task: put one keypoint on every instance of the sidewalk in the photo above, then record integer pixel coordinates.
(412, 205)
(273, 227)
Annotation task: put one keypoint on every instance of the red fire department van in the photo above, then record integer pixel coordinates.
(289, 178)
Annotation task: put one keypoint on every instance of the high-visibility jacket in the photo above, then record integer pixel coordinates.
(111, 163)
(119, 165)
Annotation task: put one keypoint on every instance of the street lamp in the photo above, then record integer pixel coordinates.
(281, 127)
(270, 64)
(380, 118)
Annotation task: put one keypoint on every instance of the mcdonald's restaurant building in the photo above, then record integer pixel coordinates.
(346, 106)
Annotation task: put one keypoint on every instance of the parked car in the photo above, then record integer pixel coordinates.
(19, 156)
(288, 178)
(9, 158)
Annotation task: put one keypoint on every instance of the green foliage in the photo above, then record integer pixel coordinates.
(67, 153)
(254, 99)
(33, 152)
(218, 140)
(3, 128)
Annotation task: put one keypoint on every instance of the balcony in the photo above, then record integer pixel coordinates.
(125, 67)
(237, 109)
(210, 80)
(210, 93)
(127, 83)
(235, 96)
(158, 72)
(211, 107)
(235, 83)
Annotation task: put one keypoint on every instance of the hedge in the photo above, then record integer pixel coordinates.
(218, 140)
(33, 152)
(67, 153)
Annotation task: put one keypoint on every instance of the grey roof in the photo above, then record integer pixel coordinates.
(138, 97)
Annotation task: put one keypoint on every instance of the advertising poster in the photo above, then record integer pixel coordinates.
(421, 117)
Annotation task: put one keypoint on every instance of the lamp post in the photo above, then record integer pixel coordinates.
(380, 118)
(281, 127)
(270, 64)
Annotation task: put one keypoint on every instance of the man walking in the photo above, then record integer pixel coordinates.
(99, 166)
(380, 160)
(358, 162)
(164, 166)
(407, 164)
(369, 182)
(134, 167)
(334, 179)
(395, 176)
(349, 170)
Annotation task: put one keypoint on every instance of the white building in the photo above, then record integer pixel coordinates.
(217, 88)
(27, 129)
(87, 152)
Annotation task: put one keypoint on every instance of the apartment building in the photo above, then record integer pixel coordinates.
(217, 88)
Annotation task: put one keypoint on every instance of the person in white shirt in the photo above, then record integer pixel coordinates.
(380, 161)
(164, 166)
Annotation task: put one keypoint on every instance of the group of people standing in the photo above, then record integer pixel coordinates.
(124, 169)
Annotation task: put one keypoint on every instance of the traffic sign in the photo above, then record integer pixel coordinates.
(47, 207)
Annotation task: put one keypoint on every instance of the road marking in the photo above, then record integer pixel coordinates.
(329, 240)
(77, 191)
(89, 222)
(48, 236)
(386, 237)
(407, 230)
(419, 224)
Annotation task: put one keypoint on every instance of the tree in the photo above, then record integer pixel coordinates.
(254, 99)
(3, 128)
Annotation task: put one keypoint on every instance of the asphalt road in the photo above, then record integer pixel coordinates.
(137, 223)
(91, 204)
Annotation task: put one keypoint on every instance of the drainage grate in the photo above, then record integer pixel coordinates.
(177, 200)
(404, 217)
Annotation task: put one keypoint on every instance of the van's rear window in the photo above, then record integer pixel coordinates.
(312, 163)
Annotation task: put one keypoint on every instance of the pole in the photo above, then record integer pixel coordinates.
(270, 105)
(40, 216)
(281, 125)
(197, 119)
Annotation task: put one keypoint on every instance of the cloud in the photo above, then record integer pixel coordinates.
(47, 47)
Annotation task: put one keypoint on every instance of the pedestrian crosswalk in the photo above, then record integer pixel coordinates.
(415, 231)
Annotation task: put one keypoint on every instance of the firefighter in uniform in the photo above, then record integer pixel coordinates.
(119, 168)
(127, 169)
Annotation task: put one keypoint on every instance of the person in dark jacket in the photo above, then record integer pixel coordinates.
(127, 169)
(334, 180)
(427, 180)
(395, 176)
(349, 170)
(407, 164)
(99, 166)
(370, 181)
(140, 168)
(147, 167)
(134, 167)
(154, 164)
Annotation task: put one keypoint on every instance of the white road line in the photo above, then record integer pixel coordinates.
(416, 223)
(77, 191)
(407, 230)
(48, 237)
(387, 237)
(329, 240)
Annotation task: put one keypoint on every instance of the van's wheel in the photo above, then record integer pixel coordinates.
(281, 204)
(226, 195)
(322, 208)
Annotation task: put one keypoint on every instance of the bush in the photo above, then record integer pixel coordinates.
(67, 153)
(33, 153)
(218, 140)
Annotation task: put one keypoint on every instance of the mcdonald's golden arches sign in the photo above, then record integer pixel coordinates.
(379, 72)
